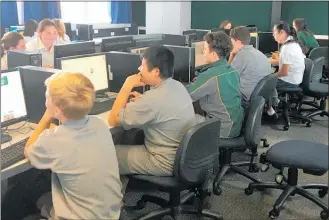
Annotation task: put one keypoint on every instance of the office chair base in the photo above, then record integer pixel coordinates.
(176, 213)
(319, 112)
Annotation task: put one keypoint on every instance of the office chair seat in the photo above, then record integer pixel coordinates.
(299, 154)
(297, 89)
(319, 89)
(233, 142)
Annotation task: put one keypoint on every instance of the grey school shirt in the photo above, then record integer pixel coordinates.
(165, 113)
(252, 66)
(85, 179)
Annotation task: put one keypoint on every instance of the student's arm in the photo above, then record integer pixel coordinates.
(283, 71)
(287, 59)
(231, 58)
(122, 98)
(45, 123)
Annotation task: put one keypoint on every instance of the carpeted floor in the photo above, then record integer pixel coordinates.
(233, 203)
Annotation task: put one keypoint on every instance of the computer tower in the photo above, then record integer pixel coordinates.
(23, 58)
(85, 32)
(33, 80)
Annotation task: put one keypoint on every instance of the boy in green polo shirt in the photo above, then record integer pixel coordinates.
(218, 88)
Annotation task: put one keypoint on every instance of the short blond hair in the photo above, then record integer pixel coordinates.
(72, 93)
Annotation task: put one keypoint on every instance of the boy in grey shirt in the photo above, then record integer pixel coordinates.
(165, 113)
(85, 174)
(252, 64)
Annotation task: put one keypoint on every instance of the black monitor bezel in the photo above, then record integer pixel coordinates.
(88, 55)
(20, 119)
(102, 47)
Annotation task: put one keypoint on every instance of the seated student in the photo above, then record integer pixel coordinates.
(44, 43)
(226, 26)
(291, 60)
(218, 88)
(85, 174)
(305, 36)
(62, 37)
(165, 113)
(251, 64)
(30, 28)
(10, 41)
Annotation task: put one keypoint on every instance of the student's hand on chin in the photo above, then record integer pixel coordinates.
(134, 81)
(134, 96)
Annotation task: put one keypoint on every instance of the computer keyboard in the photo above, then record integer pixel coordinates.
(13, 153)
(102, 105)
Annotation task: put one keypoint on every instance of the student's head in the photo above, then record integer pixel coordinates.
(30, 27)
(69, 96)
(47, 32)
(60, 27)
(240, 36)
(157, 65)
(12, 41)
(217, 45)
(299, 24)
(227, 25)
(282, 31)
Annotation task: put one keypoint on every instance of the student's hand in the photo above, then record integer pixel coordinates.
(194, 79)
(234, 51)
(136, 95)
(275, 55)
(134, 81)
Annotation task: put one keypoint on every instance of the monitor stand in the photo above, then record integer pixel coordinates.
(5, 137)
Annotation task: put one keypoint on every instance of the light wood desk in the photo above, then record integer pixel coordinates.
(22, 133)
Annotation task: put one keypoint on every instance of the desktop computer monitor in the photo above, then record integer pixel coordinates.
(121, 43)
(13, 107)
(73, 49)
(137, 50)
(267, 43)
(92, 65)
(200, 33)
(33, 79)
(175, 40)
(254, 41)
(199, 58)
(184, 67)
(17, 58)
(190, 38)
(68, 30)
(121, 65)
(19, 28)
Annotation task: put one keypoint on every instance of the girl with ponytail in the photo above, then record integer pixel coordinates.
(10, 41)
(305, 37)
(291, 60)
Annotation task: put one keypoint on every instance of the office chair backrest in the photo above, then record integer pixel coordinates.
(317, 69)
(265, 87)
(253, 119)
(320, 52)
(308, 72)
(197, 152)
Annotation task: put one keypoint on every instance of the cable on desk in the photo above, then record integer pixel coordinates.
(14, 129)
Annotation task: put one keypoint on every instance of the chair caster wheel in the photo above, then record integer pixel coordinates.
(248, 191)
(308, 124)
(279, 178)
(274, 213)
(217, 190)
(266, 144)
(254, 168)
(322, 192)
(324, 215)
(265, 167)
(286, 127)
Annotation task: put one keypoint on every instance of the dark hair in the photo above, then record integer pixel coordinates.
(224, 23)
(10, 39)
(242, 34)
(45, 23)
(301, 26)
(283, 26)
(219, 42)
(160, 57)
(30, 27)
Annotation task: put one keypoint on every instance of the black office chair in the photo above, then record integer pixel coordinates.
(193, 169)
(249, 139)
(265, 89)
(312, 87)
(290, 96)
(309, 156)
(321, 52)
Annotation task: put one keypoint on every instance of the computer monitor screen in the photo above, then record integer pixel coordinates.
(93, 66)
(13, 107)
(187, 32)
(137, 50)
(73, 49)
(199, 58)
(117, 43)
(254, 41)
(267, 43)
(19, 29)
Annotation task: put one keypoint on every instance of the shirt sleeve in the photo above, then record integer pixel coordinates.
(41, 155)
(201, 87)
(286, 56)
(137, 114)
(237, 63)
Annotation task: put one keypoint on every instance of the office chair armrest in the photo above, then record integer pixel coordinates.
(117, 134)
(133, 136)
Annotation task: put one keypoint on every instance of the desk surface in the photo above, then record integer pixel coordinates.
(20, 134)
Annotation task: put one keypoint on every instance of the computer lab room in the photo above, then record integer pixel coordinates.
(138, 110)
